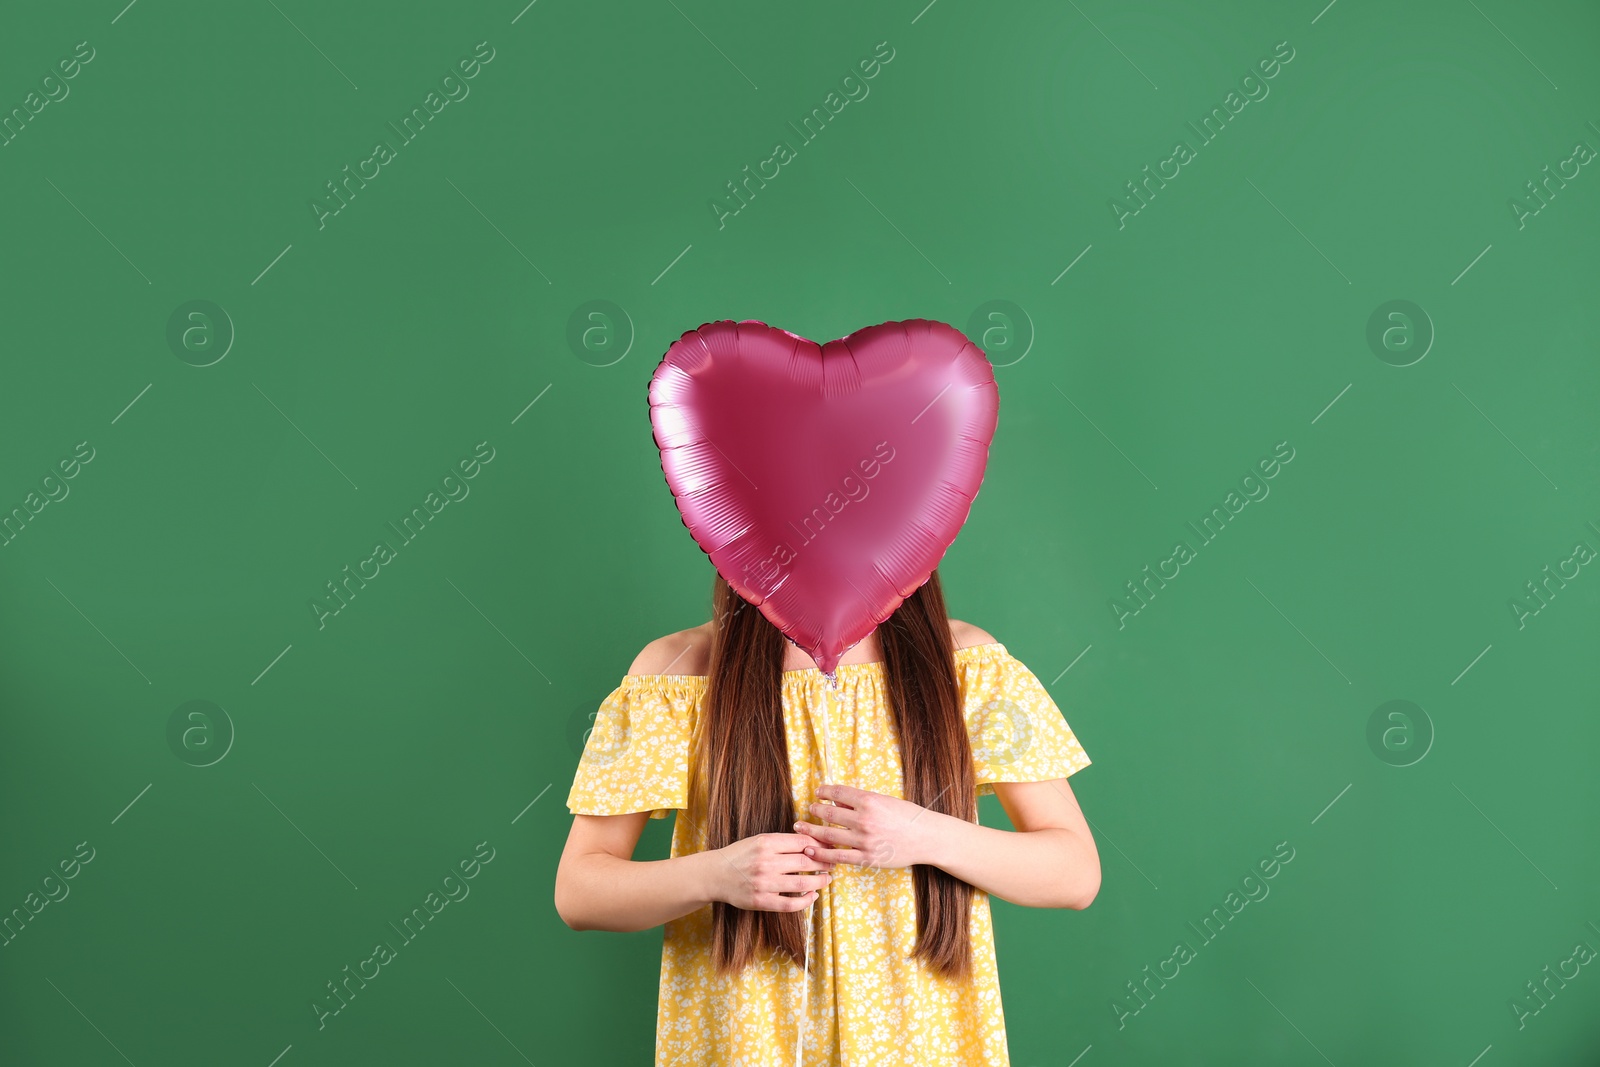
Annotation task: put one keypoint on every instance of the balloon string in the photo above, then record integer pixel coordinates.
(805, 972)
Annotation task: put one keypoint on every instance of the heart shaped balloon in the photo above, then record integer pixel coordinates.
(825, 482)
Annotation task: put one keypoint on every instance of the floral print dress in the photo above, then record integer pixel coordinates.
(868, 1003)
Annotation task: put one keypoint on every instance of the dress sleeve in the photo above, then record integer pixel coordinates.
(637, 755)
(1017, 732)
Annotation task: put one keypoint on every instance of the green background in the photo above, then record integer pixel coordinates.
(444, 705)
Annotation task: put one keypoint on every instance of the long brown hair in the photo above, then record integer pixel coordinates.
(740, 769)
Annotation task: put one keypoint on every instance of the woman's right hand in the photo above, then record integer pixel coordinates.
(757, 872)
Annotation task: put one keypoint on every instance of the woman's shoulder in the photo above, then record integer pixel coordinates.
(965, 635)
(689, 651)
(685, 652)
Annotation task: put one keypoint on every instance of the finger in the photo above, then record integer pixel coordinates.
(802, 903)
(774, 902)
(808, 865)
(835, 813)
(844, 794)
(829, 834)
(802, 883)
(795, 842)
(843, 855)
(835, 836)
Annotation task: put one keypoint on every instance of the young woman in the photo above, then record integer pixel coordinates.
(726, 725)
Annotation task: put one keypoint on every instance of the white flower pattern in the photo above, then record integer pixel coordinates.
(869, 1004)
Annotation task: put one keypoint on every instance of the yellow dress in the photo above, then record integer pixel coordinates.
(869, 1004)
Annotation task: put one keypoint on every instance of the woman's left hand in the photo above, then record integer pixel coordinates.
(872, 830)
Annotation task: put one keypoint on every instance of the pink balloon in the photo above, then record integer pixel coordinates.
(825, 482)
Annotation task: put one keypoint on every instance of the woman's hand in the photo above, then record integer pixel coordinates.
(872, 830)
(757, 872)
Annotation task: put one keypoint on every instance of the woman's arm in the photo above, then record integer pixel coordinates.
(599, 886)
(1050, 861)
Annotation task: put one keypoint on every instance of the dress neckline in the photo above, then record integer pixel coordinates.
(842, 669)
